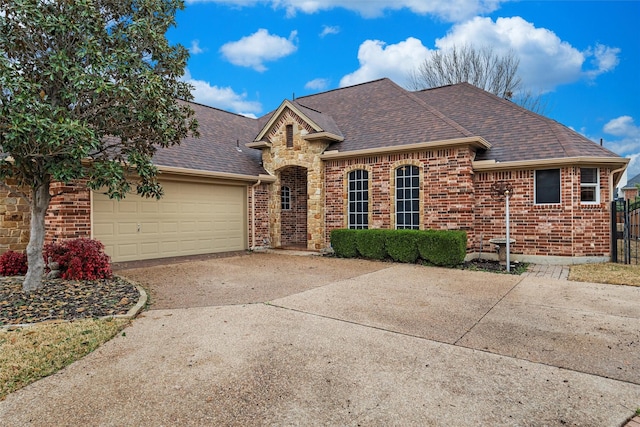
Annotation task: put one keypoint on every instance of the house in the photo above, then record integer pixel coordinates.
(372, 155)
(630, 190)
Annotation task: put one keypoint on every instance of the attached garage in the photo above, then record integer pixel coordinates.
(191, 218)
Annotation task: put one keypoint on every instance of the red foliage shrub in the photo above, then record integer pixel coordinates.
(80, 259)
(13, 264)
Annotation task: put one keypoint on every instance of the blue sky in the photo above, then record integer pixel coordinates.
(247, 56)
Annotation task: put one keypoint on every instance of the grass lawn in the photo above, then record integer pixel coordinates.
(614, 274)
(28, 354)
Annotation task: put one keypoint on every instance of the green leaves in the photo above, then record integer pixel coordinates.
(90, 80)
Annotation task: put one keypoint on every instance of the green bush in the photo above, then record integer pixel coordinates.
(402, 245)
(445, 248)
(371, 243)
(343, 242)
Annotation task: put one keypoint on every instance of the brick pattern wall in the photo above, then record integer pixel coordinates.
(294, 220)
(14, 218)
(69, 214)
(570, 228)
(261, 218)
(630, 194)
(447, 192)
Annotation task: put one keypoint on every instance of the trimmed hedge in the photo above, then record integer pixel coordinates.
(445, 248)
(371, 244)
(438, 247)
(343, 242)
(402, 245)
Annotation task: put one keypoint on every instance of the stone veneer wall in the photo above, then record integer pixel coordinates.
(447, 193)
(305, 154)
(15, 218)
(568, 229)
(294, 219)
(69, 213)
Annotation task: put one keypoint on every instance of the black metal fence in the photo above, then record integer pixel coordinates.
(625, 231)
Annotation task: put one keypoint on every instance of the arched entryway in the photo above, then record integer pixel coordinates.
(293, 207)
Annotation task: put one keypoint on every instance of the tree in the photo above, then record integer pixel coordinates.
(481, 67)
(89, 90)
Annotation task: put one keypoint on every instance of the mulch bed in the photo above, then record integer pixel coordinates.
(493, 266)
(60, 299)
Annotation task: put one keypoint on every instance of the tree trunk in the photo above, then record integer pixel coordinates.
(40, 199)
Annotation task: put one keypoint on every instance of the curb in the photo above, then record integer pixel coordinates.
(132, 313)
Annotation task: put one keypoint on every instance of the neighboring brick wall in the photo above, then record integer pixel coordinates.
(447, 199)
(15, 218)
(69, 214)
(261, 218)
(567, 229)
(630, 193)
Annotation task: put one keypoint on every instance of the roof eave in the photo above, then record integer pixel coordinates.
(473, 141)
(492, 165)
(215, 175)
(323, 136)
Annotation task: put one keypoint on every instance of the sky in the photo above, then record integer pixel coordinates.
(581, 56)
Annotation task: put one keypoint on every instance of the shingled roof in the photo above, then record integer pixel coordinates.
(221, 146)
(515, 133)
(381, 114)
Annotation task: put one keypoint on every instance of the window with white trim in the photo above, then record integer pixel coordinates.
(408, 197)
(547, 186)
(358, 208)
(589, 185)
(285, 198)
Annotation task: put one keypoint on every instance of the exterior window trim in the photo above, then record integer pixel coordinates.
(414, 222)
(594, 185)
(361, 216)
(535, 187)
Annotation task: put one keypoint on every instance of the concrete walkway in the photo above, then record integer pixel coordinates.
(391, 344)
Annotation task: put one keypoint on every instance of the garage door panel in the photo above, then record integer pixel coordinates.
(190, 219)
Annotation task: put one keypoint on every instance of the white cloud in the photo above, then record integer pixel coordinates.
(224, 98)
(252, 51)
(317, 84)
(450, 10)
(546, 61)
(628, 144)
(327, 29)
(395, 61)
(195, 47)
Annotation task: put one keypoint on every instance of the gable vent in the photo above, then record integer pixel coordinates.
(289, 132)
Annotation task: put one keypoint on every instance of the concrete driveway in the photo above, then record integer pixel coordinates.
(282, 340)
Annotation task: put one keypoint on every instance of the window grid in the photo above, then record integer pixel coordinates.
(358, 199)
(589, 184)
(285, 198)
(408, 197)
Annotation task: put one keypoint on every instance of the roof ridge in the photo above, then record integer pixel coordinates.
(218, 109)
(435, 111)
(342, 88)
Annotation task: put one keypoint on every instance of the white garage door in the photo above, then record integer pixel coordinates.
(190, 219)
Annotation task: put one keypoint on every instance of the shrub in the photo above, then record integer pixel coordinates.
(13, 264)
(80, 259)
(402, 245)
(343, 242)
(445, 248)
(371, 243)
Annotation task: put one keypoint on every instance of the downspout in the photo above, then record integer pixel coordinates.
(253, 214)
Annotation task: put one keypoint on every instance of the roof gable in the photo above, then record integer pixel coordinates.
(314, 122)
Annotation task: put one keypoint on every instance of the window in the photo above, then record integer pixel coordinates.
(547, 186)
(589, 185)
(285, 198)
(408, 197)
(358, 210)
(289, 132)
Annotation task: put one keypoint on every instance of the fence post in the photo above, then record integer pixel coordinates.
(614, 231)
